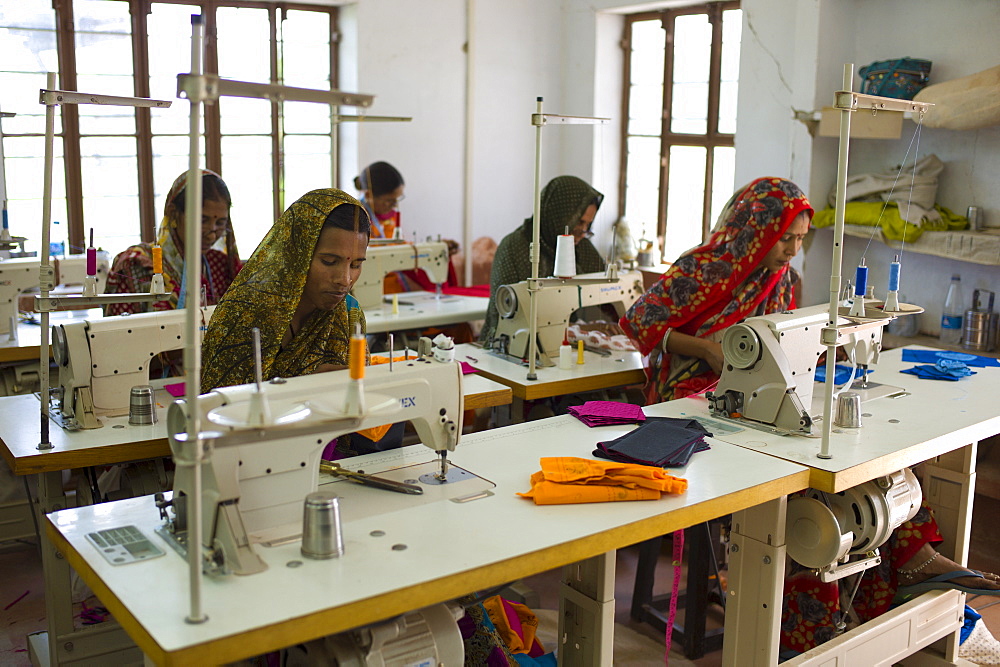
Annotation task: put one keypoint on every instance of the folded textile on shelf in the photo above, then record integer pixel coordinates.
(567, 480)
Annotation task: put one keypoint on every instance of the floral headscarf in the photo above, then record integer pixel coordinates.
(133, 267)
(717, 284)
(265, 295)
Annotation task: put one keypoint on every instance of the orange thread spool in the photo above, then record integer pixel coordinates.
(157, 259)
(356, 357)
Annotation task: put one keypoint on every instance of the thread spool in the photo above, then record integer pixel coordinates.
(894, 275)
(565, 257)
(860, 288)
(357, 357)
(861, 279)
(579, 352)
(157, 259)
(91, 256)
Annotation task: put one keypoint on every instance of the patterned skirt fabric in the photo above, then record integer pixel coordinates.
(812, 610)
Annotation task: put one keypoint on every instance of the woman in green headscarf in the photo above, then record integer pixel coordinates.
(567, 203)
(295, 289)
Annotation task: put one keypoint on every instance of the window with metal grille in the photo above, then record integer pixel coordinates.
(679, 103)
(114, 165)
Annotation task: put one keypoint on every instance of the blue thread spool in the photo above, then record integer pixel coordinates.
(861, 280)
(894, 275)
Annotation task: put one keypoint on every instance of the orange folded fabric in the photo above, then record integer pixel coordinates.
(567, 479)
(376, 432)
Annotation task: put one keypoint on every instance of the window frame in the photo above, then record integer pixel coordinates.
(710, 140)
(139, 11)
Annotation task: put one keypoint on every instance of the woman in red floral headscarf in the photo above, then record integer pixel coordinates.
(742, 270)
(132, 269)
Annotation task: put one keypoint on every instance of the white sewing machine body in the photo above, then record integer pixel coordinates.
(16, 276)
(383, 259)
(254, 478)
(20, 275)
(771, 360)
(100, 360)
(557, 301)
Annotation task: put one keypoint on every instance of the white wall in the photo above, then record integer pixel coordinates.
(958, 36)
(411, 55)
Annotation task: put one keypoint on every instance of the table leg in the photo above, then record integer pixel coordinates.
(949, 485)
(756, 576)
(68, 645)
(587, 612)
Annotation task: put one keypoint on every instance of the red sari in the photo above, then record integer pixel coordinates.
(716, 285)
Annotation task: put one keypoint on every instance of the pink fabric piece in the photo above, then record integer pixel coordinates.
(601, 413)
(468, 368)
(176, 389)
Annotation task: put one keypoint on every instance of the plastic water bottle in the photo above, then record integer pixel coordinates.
(951, 316)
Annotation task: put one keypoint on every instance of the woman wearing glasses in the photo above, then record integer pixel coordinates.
(567, 203)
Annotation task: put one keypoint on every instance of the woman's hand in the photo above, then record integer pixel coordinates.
(326, 368)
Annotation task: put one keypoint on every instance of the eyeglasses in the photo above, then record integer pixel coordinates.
(390, 201)
(582, 230)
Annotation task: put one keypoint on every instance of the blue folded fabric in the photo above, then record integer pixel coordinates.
(930, 356)
(841, 375)
(944, 369)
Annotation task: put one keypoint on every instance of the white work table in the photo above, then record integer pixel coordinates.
(451, 548)
(932, 421)
(117, 442)
(120, 442)
(597, 372)
(419, 310)
(27, 343)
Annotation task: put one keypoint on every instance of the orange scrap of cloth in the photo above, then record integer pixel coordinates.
(376, 433)
(520, 635)
(567, 479)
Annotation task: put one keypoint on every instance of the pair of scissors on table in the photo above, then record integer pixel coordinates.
(334, 468)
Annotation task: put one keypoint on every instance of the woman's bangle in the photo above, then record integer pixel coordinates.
(666, 337)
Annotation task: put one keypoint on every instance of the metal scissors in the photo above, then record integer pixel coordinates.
(334, 468)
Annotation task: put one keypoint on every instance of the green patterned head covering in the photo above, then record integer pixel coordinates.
(265, 294)
(564, 201)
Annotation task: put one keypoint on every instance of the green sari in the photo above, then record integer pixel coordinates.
(265, 294)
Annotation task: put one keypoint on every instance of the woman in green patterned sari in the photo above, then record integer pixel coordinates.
(295, 289)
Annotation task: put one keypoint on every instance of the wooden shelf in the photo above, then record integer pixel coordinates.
(982, 247)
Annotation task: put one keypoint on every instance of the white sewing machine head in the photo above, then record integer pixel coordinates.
(100, 360)
(16, 276)
(254, 478)
(383, 259)
(557, 300)
(770, 364)
(21, 275)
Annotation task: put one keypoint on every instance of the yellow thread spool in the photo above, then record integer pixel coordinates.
(157, 259)
(579, 351)
(356, 358)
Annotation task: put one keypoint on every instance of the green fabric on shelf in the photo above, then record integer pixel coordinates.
(867, 214)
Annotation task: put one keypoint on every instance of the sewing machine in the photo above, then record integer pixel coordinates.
(16, 276)
(770, 363)
(100, 360)
(266, 443)
(557, 301)
(383, 259)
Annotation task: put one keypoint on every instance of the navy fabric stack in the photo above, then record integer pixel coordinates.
(659, 441)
